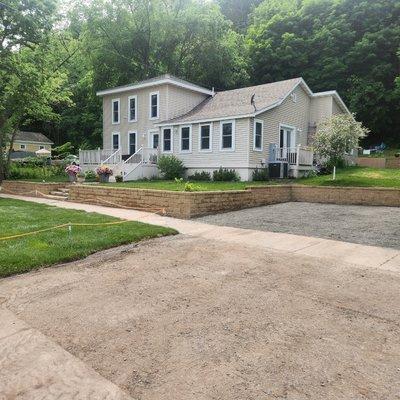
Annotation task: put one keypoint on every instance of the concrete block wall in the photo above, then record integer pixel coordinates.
(26, 188)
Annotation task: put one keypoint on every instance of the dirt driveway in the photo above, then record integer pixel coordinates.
(374, 226)
(187, 318)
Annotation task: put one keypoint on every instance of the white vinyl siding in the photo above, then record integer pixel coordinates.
(132, 108)
(115, 111)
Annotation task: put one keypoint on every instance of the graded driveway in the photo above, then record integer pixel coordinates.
(188, 318)
(373, 226)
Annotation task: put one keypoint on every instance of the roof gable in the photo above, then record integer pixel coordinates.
(24, 136)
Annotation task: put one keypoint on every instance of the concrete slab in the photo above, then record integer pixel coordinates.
(33, 367)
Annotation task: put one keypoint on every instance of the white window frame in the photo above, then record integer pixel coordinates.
(190, 138)
(222, 123)
(112, 111)
(112, 141)
(129, 108)
(258, 121)
(172, 140)
(211, 135)
(158, 105)
(129, 141)
(22, 146)
(151, 134)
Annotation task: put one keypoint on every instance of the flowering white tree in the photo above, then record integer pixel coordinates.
(336, 136)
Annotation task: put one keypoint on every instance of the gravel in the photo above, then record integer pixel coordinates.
(375, 226)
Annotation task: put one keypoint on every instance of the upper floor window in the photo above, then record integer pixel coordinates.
(186, 138)
(258, 135)
(154, 105)
(228, 135)
(167, 140)
(205, 137)
(132, 108)
(22, 146)
(115, 111)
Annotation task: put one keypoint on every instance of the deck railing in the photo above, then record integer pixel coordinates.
(299, 155)
(96, 157)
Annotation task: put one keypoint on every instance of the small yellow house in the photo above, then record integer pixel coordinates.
(31, 142)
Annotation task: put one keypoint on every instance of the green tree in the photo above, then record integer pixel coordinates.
(347, 45)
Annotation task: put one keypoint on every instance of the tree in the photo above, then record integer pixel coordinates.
(347, 45)
(336, 136)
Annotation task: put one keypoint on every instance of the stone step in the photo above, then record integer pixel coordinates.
(56, 197)
(58, 193)
(64, 190)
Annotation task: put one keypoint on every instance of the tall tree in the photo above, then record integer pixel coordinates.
(348, 45)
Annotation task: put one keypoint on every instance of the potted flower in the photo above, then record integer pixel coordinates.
(72, 171)
(104, 173)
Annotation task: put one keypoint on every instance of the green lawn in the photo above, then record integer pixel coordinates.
(200, 186)
(358, 176)
(47, 248)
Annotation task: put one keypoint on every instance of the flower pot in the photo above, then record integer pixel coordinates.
(104, 178)
(72, 177)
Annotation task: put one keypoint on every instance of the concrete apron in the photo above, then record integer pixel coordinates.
(34, 367)
(356, 254)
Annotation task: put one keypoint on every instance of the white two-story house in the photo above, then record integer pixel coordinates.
(241, 129)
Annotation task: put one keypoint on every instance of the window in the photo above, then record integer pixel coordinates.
(132, 108)
(186, 139)
(22, 146)
(154, 139)
(115, 141)
(115, 111)
(132, 143)
(228, 135)
(258, 135)
(41, 147)
(167, 140)
(205, 138)
(154, 105)
(294, 97)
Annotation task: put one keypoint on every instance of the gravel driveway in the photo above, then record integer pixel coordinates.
(376, 226)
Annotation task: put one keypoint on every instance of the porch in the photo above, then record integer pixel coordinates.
(299, 159)
(141, 164)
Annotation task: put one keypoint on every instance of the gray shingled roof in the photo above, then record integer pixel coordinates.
(24, 136)
(237, 102)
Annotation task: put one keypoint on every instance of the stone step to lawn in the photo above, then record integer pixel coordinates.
(56, 197)
(59, 193)
(64, 190)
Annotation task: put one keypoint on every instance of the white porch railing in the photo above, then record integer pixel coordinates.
(97, 157)
(299, 155)
(147, 156)
(114, 158)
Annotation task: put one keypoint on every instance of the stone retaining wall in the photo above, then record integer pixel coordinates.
(26, 188)
(347, 195)
(193, 204)
(180, 204)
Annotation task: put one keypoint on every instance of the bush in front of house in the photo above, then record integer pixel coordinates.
(171, 167)
(119, 178)
(225, 175)
(200, 176)
(90, 176)
(260, 174)
(20, 170)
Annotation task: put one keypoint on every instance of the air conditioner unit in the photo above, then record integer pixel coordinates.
(278, 170)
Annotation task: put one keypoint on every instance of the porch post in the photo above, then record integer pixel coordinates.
(298, 155)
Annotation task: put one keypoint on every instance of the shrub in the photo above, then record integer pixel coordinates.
(22, 171)
(191, 187)
(226, 175)
(118, 178)
(260, 174)
(171, 167)
(200, 176)
(90, 176)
